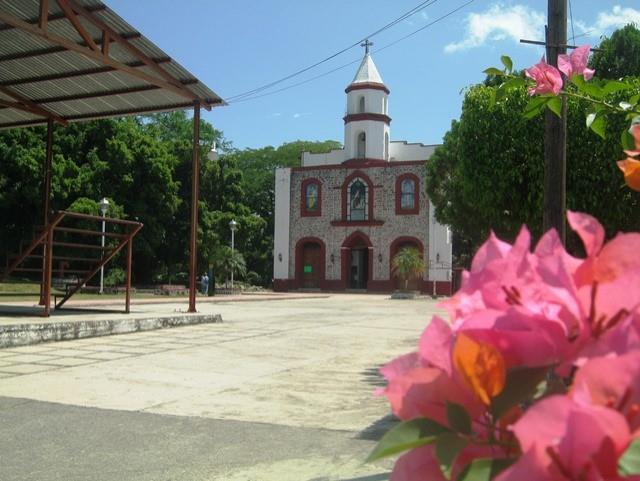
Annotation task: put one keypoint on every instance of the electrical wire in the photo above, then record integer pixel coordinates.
(413, 11)
(437, 20)
(573, 33)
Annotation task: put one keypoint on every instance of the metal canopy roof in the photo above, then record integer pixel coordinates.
(71, 60)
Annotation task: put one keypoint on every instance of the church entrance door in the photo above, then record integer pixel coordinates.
(359, 268)
(311, 259)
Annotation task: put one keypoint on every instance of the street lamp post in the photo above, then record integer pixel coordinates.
(104, 206)
(232, 225)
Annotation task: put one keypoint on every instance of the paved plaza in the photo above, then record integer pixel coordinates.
(281, 390)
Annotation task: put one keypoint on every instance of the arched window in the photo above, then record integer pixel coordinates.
(408, 194)
(386, 146)
(358, 208)
(362, 145)
(361, 105)
(311, 198)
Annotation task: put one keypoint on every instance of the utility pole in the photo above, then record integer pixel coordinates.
(555, 135)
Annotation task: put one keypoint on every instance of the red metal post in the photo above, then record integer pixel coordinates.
(129, 258)
(48, 271)
(46, 196)
(195, 181)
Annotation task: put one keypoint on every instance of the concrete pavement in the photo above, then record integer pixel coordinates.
(281, 390)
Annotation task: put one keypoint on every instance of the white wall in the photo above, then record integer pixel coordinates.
(282, 216)
(373, 101)
(440, 252)
(374, 131)
(402, 151)
(329, 158)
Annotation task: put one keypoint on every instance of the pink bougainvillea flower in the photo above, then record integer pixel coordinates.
(608, 280)
(424, 392)
(547, 78)
(523, 339)
(435, 345)
(576, 63)
(419, 463)
(612, 381)
(563, 439)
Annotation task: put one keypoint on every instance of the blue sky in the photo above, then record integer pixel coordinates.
(238, 45)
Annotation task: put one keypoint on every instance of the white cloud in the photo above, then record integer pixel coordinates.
(297, 115)
(500, 23)
(424, 15)
(276, 114)
(618, 17)
(606, 22)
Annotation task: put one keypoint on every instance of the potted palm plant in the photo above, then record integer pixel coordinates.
(407, 264)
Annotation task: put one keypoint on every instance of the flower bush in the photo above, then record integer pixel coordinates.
(536, 374)
(547, 84)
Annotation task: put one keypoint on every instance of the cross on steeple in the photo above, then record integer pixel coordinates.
(366, 44)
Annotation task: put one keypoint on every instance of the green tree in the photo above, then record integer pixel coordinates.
(224, 261)
(619, 55)
(408, 264)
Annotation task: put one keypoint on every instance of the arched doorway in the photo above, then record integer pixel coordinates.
(397, 245)
(310, 253)
(357, 261)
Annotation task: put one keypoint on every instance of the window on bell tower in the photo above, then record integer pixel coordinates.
(362, 143)
(361, 105)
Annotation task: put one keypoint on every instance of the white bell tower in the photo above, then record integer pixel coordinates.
(366, 124)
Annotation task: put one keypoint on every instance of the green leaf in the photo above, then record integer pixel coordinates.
(590, 118)
(555, 105)
(627, 141)
(590, 88)
(615, 86)
(407, 435)
(634, 100)
(521, 384)
(629, 463)
(492, 97)
(506, 61)
(599, 126)
(448, 446)
(534, 107)
(484, 469)
(625, 105)
(494, 71)
(458, 418)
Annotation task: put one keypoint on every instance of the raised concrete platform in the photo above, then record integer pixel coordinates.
(24, 334)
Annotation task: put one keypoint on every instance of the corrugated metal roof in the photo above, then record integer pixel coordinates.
(55, 69)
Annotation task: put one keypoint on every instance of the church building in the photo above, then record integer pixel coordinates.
(342, 215)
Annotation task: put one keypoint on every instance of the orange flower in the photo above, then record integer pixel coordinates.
(631, 169)
(481, 366)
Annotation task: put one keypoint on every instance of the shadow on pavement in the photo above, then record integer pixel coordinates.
(375, 431)
(373, 377)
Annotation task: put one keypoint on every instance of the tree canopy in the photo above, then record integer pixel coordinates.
(143, 165)
(488, 174)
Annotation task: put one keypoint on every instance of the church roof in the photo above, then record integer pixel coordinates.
(367, 72)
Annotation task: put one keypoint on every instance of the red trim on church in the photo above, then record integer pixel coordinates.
(367, 85)
(416, 195)
(367, 116)
(304, 212)
(365, 162)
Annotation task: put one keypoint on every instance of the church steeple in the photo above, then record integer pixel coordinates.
(367, 121)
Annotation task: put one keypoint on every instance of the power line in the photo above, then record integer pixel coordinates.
(413, 11)
(439, 19)
(573, 33)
